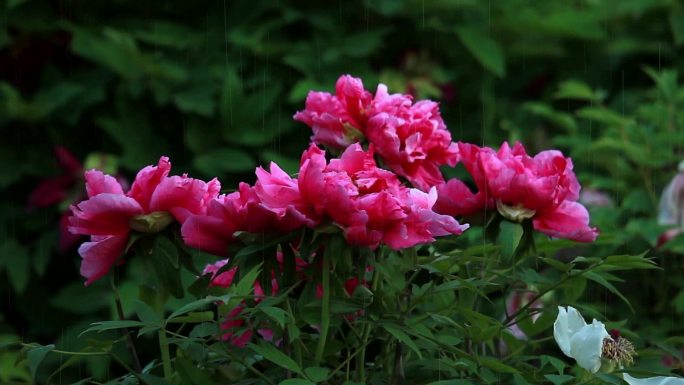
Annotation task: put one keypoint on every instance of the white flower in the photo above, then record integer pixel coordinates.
(579, 340)
(653, 380)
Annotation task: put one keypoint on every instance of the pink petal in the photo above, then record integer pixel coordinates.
(570, 220)
(99, 183)
(100, 254)
(104, 214)
(147, 181)
(208, 233)
(456, 199)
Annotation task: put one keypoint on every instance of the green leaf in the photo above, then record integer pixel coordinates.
(559, 365)
(510, 234)
(486, 50)
(272, 354)
(296, 381)
(496, 365)
(277, 314)
(111, 325)
(676, 18)
(222, 160)
(149, 379)
(559, 379)
(190, 373)
(194, 305)
(602, 115)
(317, 374)
(76, 298)
(147, 315)
(15, 258)
(35, 356)
(573, 89)
(403, 337)
(598, 278)
(164, 257)
(199, 100)
(194, 317)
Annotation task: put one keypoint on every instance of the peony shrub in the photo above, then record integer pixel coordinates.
(366, 266)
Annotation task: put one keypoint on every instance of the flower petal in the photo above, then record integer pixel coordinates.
(104, 214)
(569, 220)
(99, 255)
(586, 345)
(98, 182)
(653, 380)
(567, 323)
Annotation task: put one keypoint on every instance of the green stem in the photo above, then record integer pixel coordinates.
(297, 348)
(126, 333)
(365, 334)
(163, 341)
(325, 305)
(67, 352)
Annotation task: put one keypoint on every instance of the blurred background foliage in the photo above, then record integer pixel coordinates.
(214, 84)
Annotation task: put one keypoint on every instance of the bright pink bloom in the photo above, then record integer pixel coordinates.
(241, 210)
(369, 203)
(411, 139)
(337, 120)
(456, 199)
(272, 205)
(279, 193)
(108, 214)
(543, 188)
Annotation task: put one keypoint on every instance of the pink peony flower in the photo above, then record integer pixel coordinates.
(369, 203)
(241, 210)
(109, 215)
(542, 188)
(456, 199)
(279, 193)
(412, 139)
(337, 120)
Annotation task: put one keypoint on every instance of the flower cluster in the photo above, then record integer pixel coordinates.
(542, 188)
(411, 138)
(368, 203)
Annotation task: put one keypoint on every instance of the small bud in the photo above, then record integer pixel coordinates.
(151, 223)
